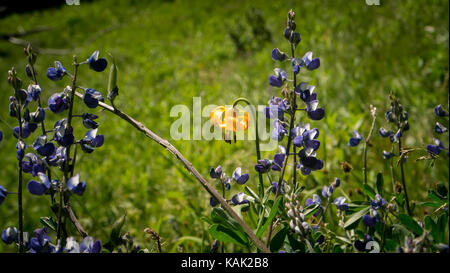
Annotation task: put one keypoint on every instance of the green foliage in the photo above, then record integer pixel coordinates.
(169, 52)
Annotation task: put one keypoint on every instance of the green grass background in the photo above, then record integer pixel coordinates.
(169, 51)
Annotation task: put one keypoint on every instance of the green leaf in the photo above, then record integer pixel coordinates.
(278, 240)
(267, 194)
(112, 81)
(354, 218)
(441, 190)
(429, 204)
(410, 224)
(311, 210)
(369, 191)
(439, 234)
(435, 197)
(219, 216)
(380, 183)
(269, 219)
(226, 235)
(49, 222)
(116, 228)
(250, 192)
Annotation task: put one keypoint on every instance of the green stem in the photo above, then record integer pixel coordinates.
(19, 191)
(374, 117)
(403, 177)
(67, 161)
(288, 148)
(258, 152)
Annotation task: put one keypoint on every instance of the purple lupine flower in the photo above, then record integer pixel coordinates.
(240, 178)
(59, 157)
(275, 187)
(63, 134)
(216, 173)
(57, 103)
(27, 129)
(276, 108)
(39, 188)
(75, 185)
(277, 55)
(307, 139)
(372, 218)
(92, 97)
(313, 111)
(440, 112)
(41, 242)
(43, 147)
(96, 63)
(88, 245)
(389, 116)
(437, 148)
(439, 128)
(3, 194)
(239, 199)
(35, 91)
(308, 162)
(278, 79)
(10, 235)
(314, 201)
(20, 146)
(213, 201)
(33, 164)
(306, 92)
(385, 133)
(309, 62)
(263, 166)
(56, 73)
(38, 116)
(355, 140)
(378, 202)
(340, 203)
(1, 135)
(91, 140)
(387, 155)
(278, 161)
(278, 131)
(328, 191)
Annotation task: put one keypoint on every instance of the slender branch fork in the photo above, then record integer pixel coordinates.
(188, 165)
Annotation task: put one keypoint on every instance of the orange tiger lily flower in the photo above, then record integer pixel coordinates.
(229, 118)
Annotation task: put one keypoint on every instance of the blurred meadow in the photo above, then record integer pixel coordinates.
(170, 51)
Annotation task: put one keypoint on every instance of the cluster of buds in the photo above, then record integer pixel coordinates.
(289, 32)
(397, 115)
(295, 212)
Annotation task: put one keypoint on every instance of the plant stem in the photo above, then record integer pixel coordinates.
(188, 165)
(258, 152)
(67, 161)
(288, 148)
(19, 191)
(403, 177)
(374, 117)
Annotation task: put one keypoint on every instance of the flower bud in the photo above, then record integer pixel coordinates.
(13, 80)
